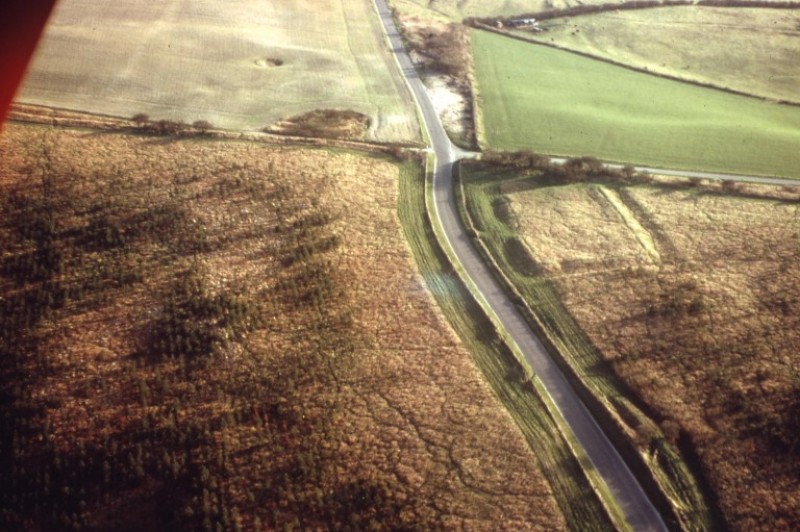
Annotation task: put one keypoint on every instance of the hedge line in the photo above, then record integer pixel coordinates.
(629, 6)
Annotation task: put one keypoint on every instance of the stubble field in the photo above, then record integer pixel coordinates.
(238, 65)
(203, 334)
(687, 291)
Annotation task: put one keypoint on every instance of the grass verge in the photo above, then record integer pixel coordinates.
(510, 380)
(656, 462)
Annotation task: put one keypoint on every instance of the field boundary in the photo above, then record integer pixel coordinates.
(610, 412)
(54, 116)
(509, 375)
(701, 84)
(632, 5)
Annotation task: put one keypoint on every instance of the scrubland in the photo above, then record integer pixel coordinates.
(690, 296)
(200, 334)
(685, 290)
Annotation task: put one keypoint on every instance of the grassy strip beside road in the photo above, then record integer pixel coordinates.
(609, 399)
(534, 97)
(507, 377)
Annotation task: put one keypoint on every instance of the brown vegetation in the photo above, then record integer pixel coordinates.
(573, 170)
(441, 52)
(444, 48)
(206, 335)
(689, 292)
(332, 123)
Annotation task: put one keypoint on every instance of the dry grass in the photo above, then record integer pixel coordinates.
(612, 242)
(237, 64)
(705, 330)
(333, 394)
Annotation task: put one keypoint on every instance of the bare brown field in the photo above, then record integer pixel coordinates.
(199, 334)
(690, 294)
(237, 64)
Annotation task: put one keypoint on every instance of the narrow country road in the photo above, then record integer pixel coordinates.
(638, 509)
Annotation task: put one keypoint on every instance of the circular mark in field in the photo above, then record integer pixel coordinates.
(268, 62)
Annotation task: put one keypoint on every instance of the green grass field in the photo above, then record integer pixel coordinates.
(749, 50)
(237, 64)
(555, 102)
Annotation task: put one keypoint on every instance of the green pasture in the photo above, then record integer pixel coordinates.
(746, 49)
(555, 102)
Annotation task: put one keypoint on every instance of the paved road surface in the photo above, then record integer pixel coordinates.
(638, 509)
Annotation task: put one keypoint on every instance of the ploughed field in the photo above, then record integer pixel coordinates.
(205, 334)
(235, 64)
(687, 290)
(552, 101)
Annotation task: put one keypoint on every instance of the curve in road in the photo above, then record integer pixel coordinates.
(639, 510)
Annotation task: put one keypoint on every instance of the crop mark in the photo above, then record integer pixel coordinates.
(642, 235)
